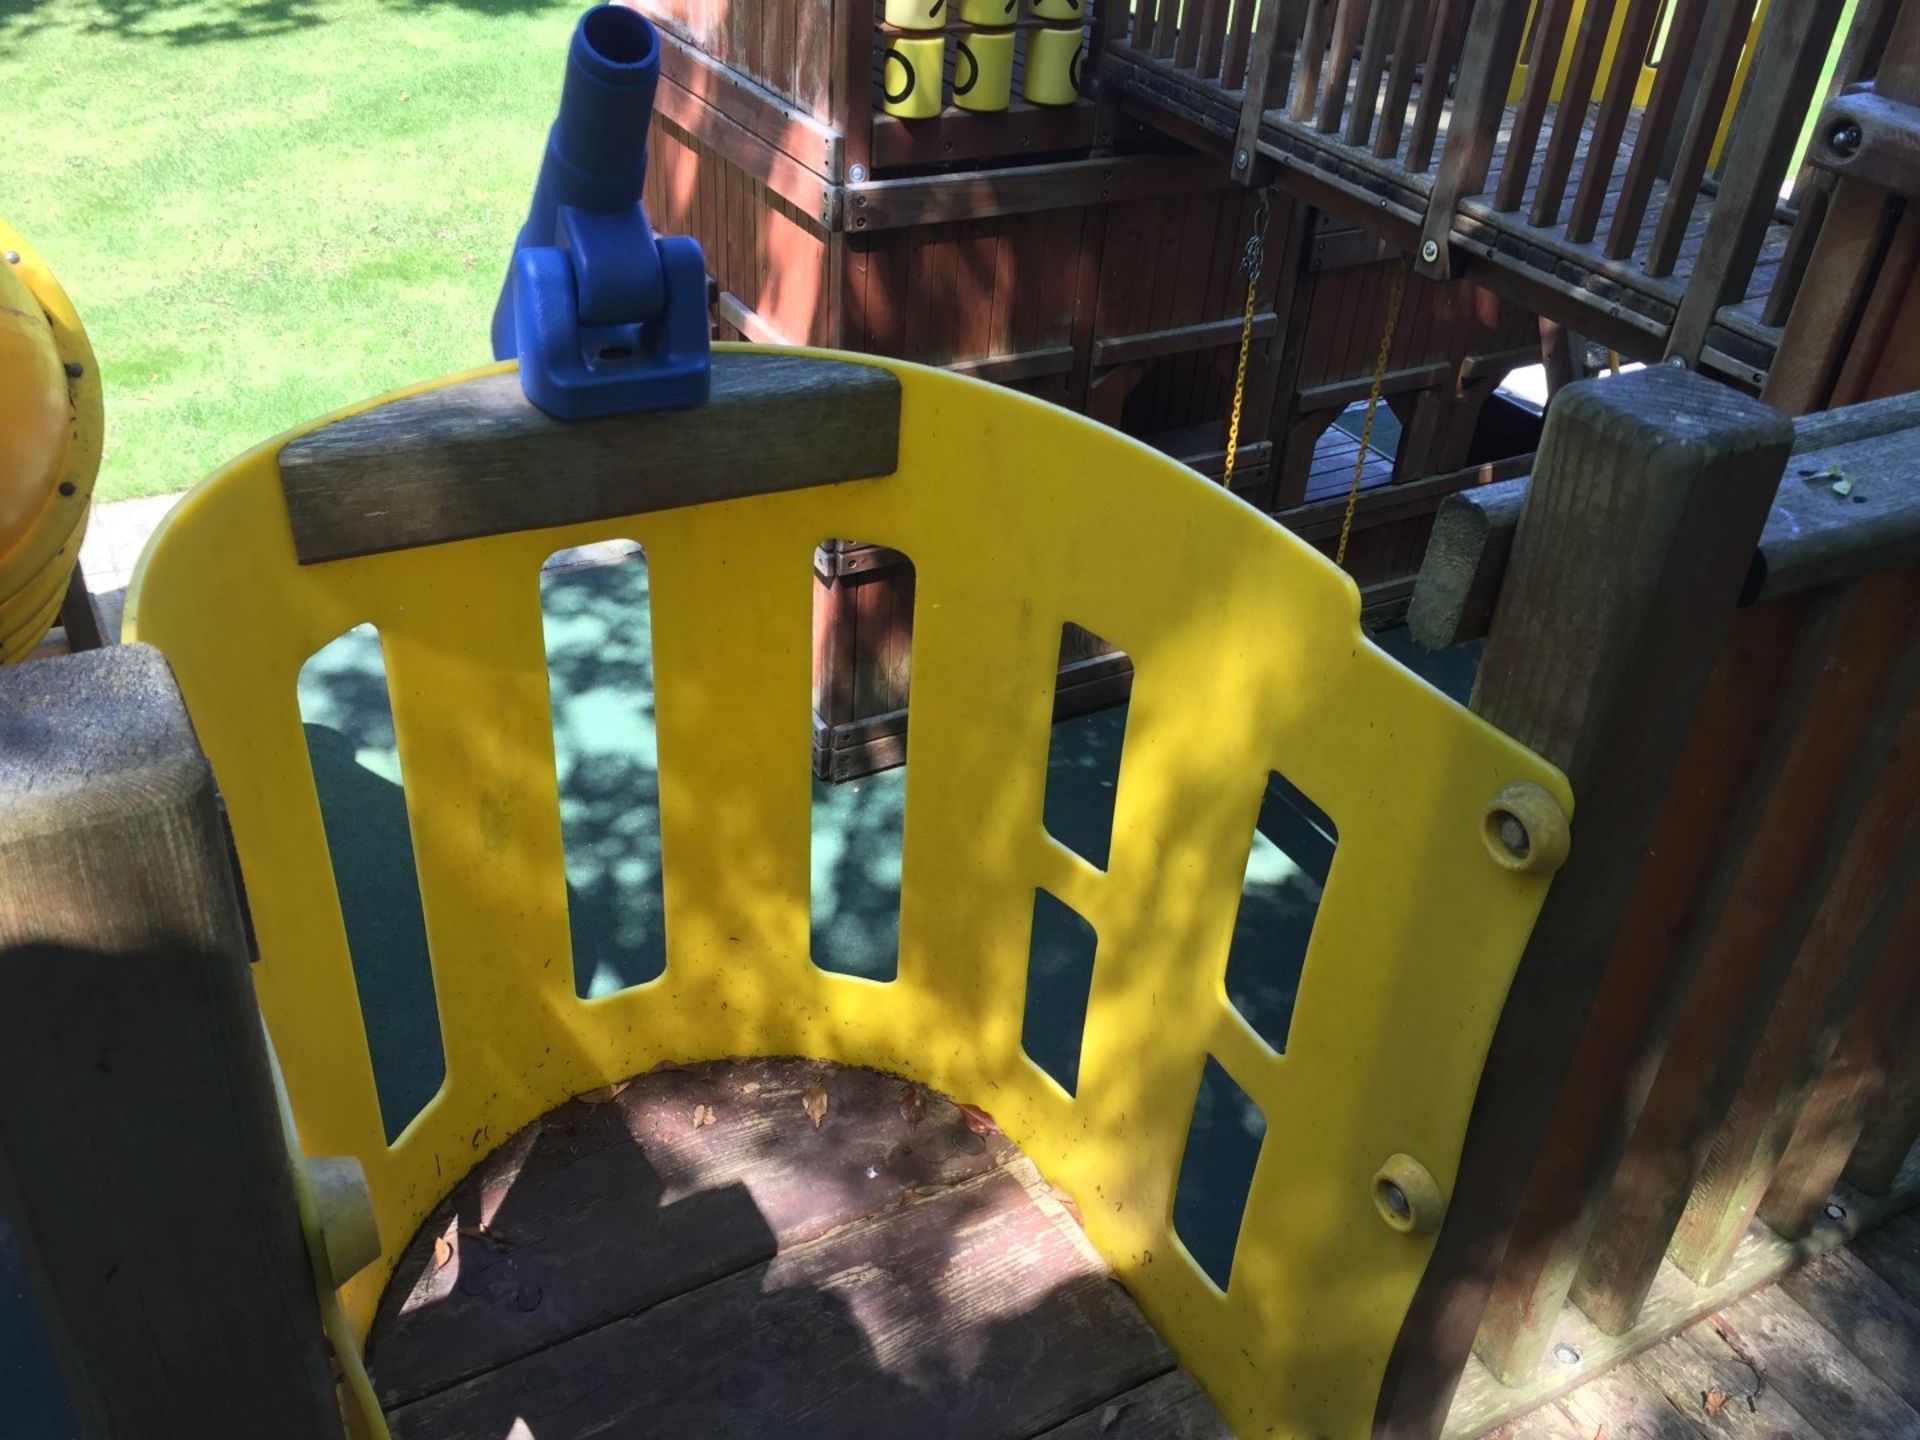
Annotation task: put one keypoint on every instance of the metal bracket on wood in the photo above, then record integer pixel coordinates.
(1866, 137)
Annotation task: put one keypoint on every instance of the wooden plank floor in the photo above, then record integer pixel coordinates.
(691, 1255)
(1832, 1352)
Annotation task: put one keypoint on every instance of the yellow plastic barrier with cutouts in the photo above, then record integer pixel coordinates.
(1019, 517)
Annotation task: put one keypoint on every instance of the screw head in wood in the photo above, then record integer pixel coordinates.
(1834, 1211)
(1845, 138)
(1240, 158)
(1407, 1196)
(1430, 251)
(1567, 1354)
(856, 173)
(1525, 830)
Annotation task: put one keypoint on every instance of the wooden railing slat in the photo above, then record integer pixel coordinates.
(1275, 27)
(1213, 36)
(1349, 20)
(1193, 24)
(1233, 62)
(1757, 912)
(1726, 40)
(1780, 86)
(1570, 116)
(1677, 66)
(1598, 660)
(1479, 101)
(1372, 68)
(1549, 39)
(1616, 107)
(1772, 657)
(1449, 33)
(1141, 37)
(1884, 1019)
(1859, 913)
(1311, 58)
(1166, 29)
(1406, 59)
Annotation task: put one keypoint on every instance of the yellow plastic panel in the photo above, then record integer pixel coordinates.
(1019, 516)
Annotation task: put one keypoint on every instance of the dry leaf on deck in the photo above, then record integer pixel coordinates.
(1110, 1416)
(492, 1239)
(913, 1105)
(666, 1066)
(442, 1252)
(702, 1116)
(815, 1101)
(1715, 1400)
(604, 1093)
(979, 1121)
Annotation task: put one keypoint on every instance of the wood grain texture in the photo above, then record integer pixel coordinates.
(1779, 90)
(142, 1161)
(1169, 1408)
(1830, 1124)
(979, 1312)
(477, 458)
(597, 1211)
(1676, 1304)
(1860, 914)
(1814, 1370)
(1751, 920)
(1814, 535)
(1708, 1389)
(1636, 1403)
(1877, 1322)
(1647, 498)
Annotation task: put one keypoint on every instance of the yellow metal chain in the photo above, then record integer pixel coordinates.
(1373, 404)
(1250, 266)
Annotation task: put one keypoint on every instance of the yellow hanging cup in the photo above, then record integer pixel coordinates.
(912, 76)
(917, 14)
(990, 12)
(983, 70)
(1069, 10)
(1053, 65)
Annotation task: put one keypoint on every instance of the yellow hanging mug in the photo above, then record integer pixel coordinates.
(989, 12)
(1073, 10)
(911, 76)
(983, 70)
(1053, 65)
(917, 14)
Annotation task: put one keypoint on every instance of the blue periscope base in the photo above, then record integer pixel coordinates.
(604, 317)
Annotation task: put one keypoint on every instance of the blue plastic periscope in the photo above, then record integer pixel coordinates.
(603, 316)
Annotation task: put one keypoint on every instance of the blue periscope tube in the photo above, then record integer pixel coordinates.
(603, 316)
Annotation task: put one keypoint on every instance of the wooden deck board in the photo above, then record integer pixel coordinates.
(633, 1267)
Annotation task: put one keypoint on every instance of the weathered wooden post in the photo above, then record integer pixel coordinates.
(142, 1159)
(1638, 531)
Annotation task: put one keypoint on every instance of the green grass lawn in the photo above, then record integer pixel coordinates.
(264, 211)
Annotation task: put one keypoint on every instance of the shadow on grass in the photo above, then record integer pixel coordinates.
(214, 22)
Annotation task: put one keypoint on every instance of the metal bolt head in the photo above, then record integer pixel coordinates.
(75, 369)
(1567, 1354)
(1430, 251)
(857, 173)
(1677, 360)
(13, 257)
(1240, 158)
(1844, 138)
(1834, 1211)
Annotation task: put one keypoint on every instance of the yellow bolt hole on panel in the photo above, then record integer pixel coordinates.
(1019, 517)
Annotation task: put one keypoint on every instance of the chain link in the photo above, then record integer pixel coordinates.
(1251, 261)
(1373, 404)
